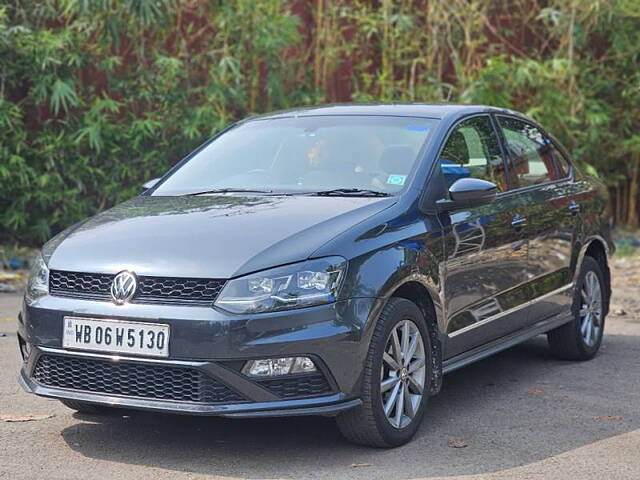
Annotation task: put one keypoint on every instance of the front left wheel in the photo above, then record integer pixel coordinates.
(395, 380)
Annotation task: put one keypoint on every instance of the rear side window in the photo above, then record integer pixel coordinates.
(533, 159)
(561, 163)
(473, 151)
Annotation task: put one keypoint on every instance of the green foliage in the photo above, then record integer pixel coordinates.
(626, 250)
(97, 97)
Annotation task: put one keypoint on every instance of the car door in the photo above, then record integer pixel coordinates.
(540, 176)
(485, 246)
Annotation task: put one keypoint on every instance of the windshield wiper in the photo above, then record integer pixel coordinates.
(337, 192)
(227, 190)
(355, 192)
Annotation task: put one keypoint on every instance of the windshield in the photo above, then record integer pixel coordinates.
(306, 155)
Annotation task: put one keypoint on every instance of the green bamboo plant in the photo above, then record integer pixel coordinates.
(98, 96)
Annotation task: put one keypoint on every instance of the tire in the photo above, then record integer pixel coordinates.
(571, 341)
(88, 408)
(368, 424)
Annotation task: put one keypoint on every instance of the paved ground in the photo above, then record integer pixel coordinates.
(523, 415)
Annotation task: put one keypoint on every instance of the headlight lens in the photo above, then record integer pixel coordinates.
(38, 284)
(305, 284)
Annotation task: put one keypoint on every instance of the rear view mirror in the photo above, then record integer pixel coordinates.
(150, 184)
(468, 192)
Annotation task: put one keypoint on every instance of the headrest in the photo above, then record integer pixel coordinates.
(456, 149)
(397, 159)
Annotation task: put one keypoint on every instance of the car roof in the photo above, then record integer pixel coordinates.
(437, 111)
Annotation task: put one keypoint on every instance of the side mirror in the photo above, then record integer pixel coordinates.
(150, 184)
(468, 192)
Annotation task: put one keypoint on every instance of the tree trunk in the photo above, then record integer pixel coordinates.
(317, 45)
(619, 199)
(624, 201)
(632, 195)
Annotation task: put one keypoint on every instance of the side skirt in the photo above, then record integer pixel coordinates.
(508, 341)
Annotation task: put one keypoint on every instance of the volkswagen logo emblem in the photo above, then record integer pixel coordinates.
(124, 287)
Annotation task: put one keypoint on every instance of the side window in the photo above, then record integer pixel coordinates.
(473, 150)
(533, 158)
(561, 163)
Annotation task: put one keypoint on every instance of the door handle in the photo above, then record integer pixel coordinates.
(518, 223)
(574, 208)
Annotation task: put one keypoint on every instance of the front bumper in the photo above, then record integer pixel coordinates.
(216, 344)
(324, 405)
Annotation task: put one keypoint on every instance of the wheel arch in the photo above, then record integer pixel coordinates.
(420, 295)
(598, 249)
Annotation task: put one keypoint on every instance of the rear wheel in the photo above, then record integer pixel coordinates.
(394, 390)
(88, 408)
(580, 339)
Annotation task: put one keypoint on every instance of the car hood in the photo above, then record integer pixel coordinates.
(213, 236)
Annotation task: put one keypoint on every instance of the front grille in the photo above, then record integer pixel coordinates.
(307, 385)
(170, 290)
(132, 379)
(88, 285)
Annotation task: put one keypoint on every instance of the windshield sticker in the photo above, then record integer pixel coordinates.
(416, 128)
(396, 179)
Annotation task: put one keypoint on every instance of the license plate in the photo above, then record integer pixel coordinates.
(116, 336)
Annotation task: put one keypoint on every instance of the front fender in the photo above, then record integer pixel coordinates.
(384, 272)
(381, 273)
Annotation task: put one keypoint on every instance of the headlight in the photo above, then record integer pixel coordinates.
(38, 284)
(314, 282)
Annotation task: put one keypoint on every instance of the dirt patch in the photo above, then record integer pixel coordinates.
(625, 279)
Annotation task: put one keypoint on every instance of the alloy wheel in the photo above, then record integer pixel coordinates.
(591, 309)
(403, 374)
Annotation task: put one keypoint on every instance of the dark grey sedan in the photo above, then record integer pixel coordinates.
(335, 260)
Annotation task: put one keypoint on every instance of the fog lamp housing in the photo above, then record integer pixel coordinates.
(274, 367)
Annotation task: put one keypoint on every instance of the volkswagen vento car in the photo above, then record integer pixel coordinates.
(335, 260)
